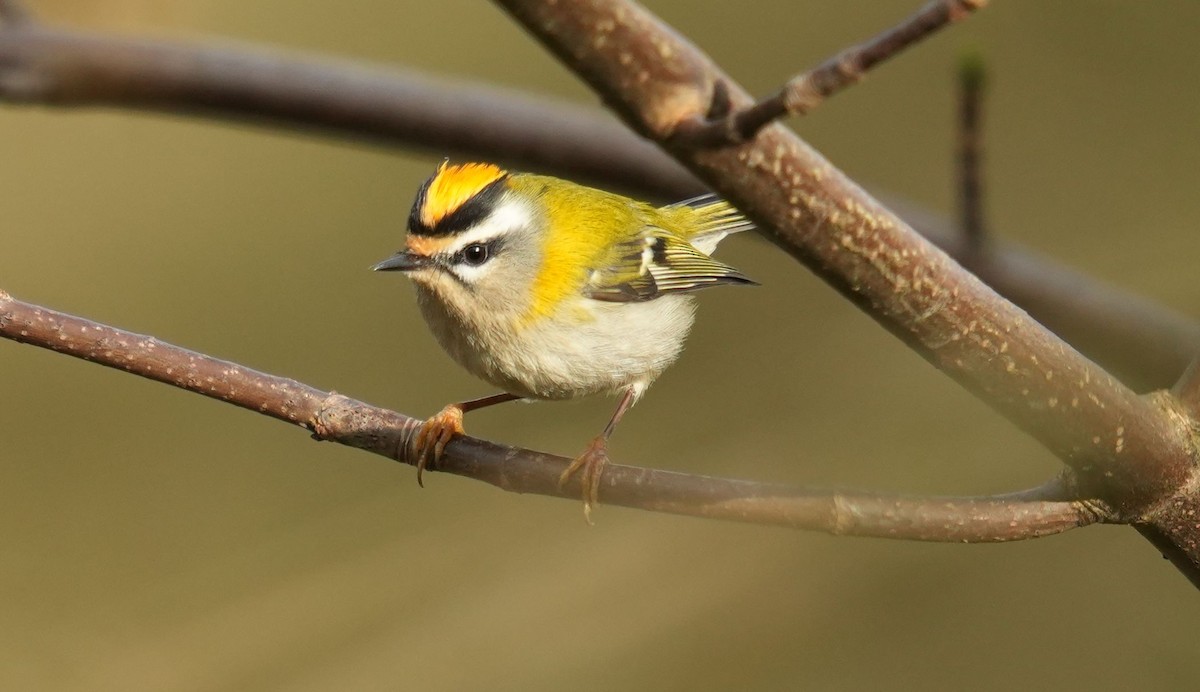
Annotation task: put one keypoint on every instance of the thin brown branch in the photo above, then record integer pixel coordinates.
(804, 92)
(331, 416)
(1146, 343)
(970, 150)
(1128, 450)
(49, 66)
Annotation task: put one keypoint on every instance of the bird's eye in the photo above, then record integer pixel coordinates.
(475, 254)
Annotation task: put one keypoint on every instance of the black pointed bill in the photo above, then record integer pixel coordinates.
(403, 261)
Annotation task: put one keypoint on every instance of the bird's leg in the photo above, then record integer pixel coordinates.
(595, 458)
(436, 432)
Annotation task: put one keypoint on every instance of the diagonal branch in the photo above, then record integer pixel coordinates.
(330, 416)
(1142, 342)
(806, 91)
(1133, 452)
(1145, 342)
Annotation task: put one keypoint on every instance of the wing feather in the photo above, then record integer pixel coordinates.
(657, 263)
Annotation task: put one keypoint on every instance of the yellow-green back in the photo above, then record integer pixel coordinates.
(614, 248)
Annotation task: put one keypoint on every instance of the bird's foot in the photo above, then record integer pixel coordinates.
(435, 433)
(591, 463)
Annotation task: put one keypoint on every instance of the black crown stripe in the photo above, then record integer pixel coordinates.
(465, 216)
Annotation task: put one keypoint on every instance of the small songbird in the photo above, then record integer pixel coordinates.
(552, 290)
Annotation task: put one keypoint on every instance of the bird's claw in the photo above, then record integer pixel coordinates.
(431, 439)
(591, 463)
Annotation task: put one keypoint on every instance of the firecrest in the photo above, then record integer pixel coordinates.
(552, 290)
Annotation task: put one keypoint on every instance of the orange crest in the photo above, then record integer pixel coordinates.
(452, 186)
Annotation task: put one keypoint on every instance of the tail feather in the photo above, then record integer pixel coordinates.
(717, 219)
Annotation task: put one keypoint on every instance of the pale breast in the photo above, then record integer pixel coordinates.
(591, 347)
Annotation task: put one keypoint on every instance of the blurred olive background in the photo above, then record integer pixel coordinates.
(157, 540)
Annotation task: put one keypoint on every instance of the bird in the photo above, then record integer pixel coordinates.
(551, 290)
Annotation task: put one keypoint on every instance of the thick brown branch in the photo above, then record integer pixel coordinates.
(1128, 449)
(331, 416)
(1146, 343)
(1171, 528)
(806, 91)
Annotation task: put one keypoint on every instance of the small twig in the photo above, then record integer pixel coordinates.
(1042, 511)
(14, 12)
(804, 92)
(970, 151)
